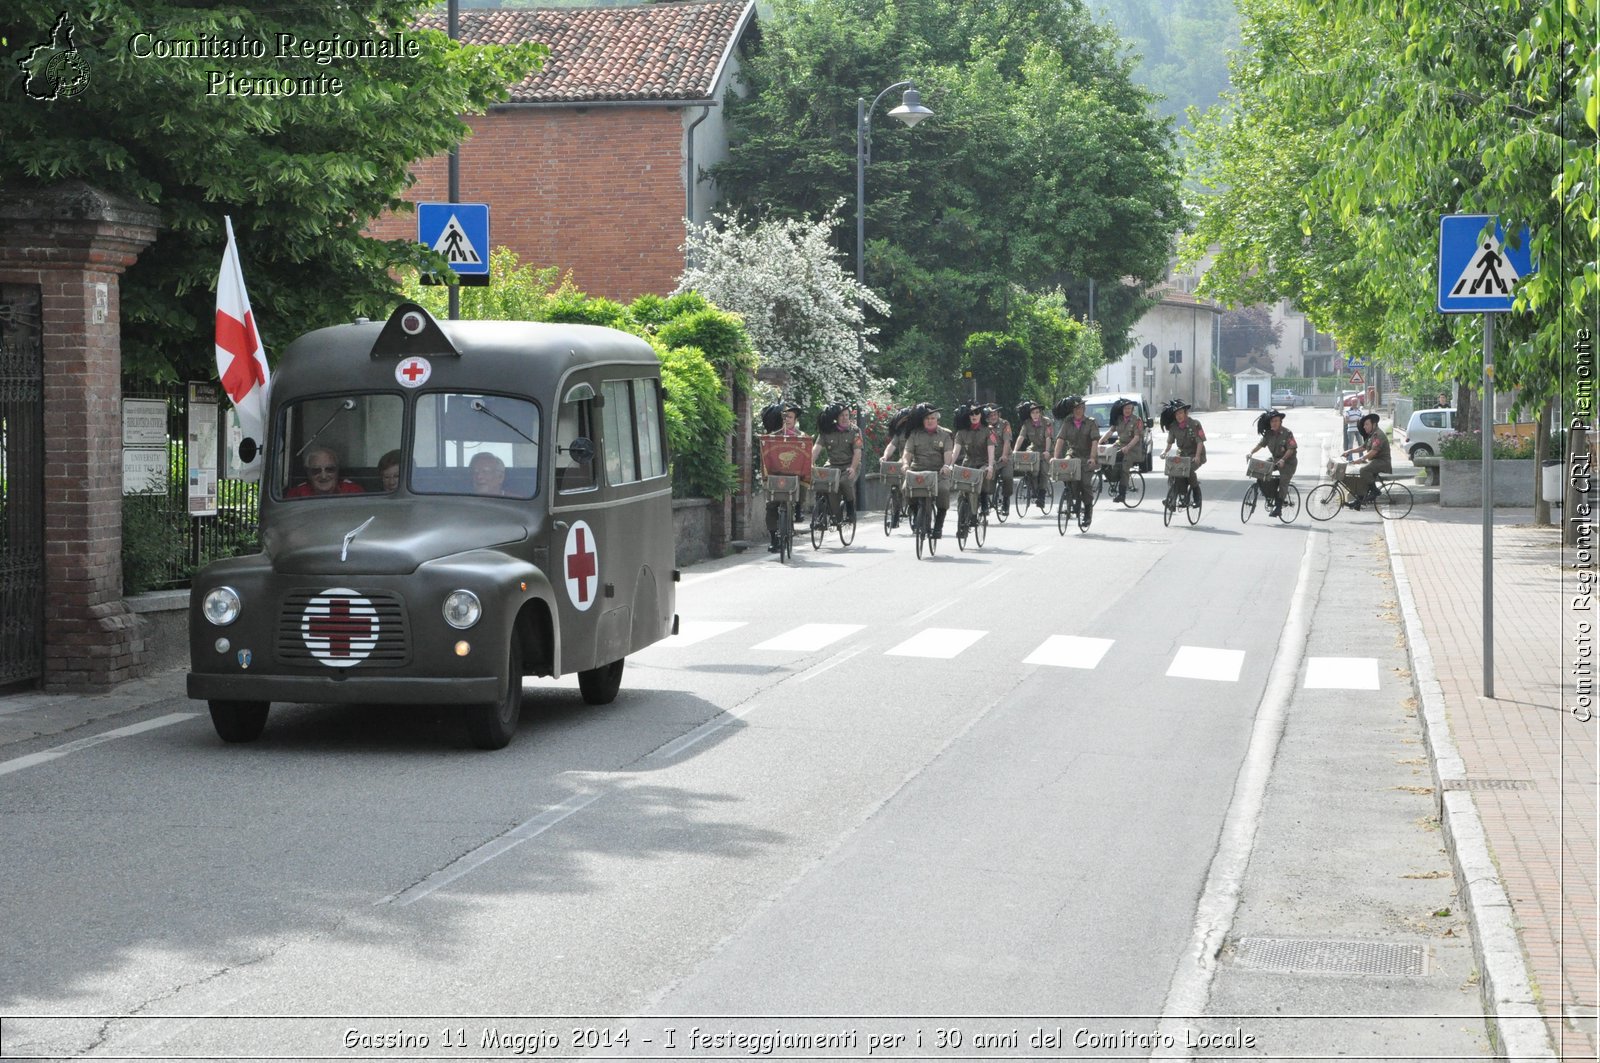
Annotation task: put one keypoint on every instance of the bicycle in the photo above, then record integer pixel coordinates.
(1000, 490)
(1182, 492)
(785, 491)
(894, 510)
(831, 512)
(1105, 472)
(1263, 472)
(921, 489)
(1032, 482)
(972, 515)
(1325, 501)
(1070, 506)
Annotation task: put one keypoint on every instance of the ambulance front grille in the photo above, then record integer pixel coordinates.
(325, 628)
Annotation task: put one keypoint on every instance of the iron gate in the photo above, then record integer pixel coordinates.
(21, 485)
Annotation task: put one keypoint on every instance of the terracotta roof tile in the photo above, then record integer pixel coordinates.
(664, 51)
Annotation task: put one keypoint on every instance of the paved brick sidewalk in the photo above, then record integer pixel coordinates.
(1530, 764)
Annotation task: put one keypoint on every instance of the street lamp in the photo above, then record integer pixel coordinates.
(910, 112)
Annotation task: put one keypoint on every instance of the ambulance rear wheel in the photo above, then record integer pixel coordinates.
(599, 686)
(239, 721)
(493, 725)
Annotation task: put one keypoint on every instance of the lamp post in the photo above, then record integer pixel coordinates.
(910, 112)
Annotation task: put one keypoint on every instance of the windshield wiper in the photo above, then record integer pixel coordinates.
(344, 407)
(478, 405)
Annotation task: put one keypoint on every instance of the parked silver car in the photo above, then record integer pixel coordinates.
(1425, 429)
(1285, 399)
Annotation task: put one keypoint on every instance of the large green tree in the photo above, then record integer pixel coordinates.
(1355, 125)
(1044, 165)
(301, 175)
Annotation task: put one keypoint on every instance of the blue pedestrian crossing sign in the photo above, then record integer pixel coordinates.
(1478, 270)
(459, 232)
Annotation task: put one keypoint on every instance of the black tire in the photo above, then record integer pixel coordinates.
(1023, 496)
(847, 527)
(1394, 501)
(963, 521)
(888, 515)
(1135, 492)
(1168, 504)
(1002, 502)
(1247, 508)
(1063, 512)
(493, 725)
(1193, 512)
(1085, 514)
(599, 686)
(1289, 504)
(819, 525)
(980, 528)
(239, 721)
(1098, 479)
(1324, 501)
(1421, 450)
(1044, 494)
(919, 525)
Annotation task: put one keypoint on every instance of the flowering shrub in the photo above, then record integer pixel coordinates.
(1468, 446)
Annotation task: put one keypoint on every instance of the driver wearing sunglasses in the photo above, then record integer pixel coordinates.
(322, 477)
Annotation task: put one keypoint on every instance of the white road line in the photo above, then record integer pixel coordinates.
(1219, 902)
(489, 850)
(940, 642)
(937, 607)
(1032, 552)
(693, 631)
(991, 578)
(1342, 673)
(831, 662)
(1069, 651)
(808, 638)
(9, 766)
(1203, 662)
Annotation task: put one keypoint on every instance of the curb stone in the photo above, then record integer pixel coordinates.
(1515, 1020)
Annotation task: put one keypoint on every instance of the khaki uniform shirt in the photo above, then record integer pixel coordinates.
(975, 446)
(1130, 429)
(1035, 436)
(1380, 460)
(929, 451)
(1001, 430)
(1081, 439)
(1188, 436)
(839, 448)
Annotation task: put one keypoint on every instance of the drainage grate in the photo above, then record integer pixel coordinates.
(1489, 784)
(1321, 956)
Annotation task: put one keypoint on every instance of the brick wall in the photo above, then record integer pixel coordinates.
(598, 191)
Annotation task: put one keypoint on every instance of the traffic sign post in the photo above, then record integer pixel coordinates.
(1477, 271)
(459, 232)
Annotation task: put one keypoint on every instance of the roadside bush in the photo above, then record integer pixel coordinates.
(698, 423)
(1468, 446)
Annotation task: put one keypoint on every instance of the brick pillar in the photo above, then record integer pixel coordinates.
(74, 242)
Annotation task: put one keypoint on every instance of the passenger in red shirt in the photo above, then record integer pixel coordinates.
(322, 477)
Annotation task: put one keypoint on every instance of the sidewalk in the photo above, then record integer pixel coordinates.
(1526, 767)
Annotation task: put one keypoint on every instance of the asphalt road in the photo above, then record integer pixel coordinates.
(981, 793)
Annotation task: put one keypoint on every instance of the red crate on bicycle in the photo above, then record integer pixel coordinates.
(1025, 460)
(1066, 468)
(786, 456)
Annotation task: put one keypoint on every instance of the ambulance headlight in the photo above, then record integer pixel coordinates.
(221, 606)
(462, 609)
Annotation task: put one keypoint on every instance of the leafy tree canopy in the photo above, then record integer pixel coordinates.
(1355, 126)
(1044, 165)
(301, 174)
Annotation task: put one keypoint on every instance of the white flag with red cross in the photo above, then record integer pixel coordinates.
(241, 359)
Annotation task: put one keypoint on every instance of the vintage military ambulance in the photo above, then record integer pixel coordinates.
(528, 530)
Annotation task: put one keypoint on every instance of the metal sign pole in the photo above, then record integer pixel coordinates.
(1488, 505)
(453, 25)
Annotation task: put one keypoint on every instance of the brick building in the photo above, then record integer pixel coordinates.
(597, 158)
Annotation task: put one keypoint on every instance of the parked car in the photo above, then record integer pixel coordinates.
(1099, 407)
(1425, 429)
(1286, 399)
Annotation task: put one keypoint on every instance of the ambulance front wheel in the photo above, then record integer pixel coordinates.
(239, 721)
(599, 686)
(493, 725)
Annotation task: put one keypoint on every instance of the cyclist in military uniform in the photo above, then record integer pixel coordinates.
(900, 425)
(839, 440)
(1374, 459)
(975, 446)
(1186, 433)
(782, 419)
(1281, 448)
(930, 448)
(1000, 430)
(1076, 437)
(1127, 431)
(1037, 434)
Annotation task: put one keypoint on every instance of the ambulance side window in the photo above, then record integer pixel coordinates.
(622, 463)
(647, 422)
(576, 421)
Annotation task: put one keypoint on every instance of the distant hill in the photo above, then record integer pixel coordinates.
(1183, 46)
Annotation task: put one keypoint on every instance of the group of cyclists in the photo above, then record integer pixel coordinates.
(984, 439)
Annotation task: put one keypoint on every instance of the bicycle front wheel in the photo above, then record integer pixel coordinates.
(1394, 501)
(1043, 494)
(1247, 508)
(819, 526)
(1063, 514)
(1324, 502)
(919, 525)
(963, 522)
(1169, 503)
(889, 510)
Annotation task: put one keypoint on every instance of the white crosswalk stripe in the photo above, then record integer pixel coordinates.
(1203, 662)
(809, 637)
(939, 642)
(1341, 673)
(1069, 651)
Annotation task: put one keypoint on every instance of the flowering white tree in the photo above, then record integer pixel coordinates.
(801, 309)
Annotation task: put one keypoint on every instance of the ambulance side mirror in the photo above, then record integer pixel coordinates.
(581, 450)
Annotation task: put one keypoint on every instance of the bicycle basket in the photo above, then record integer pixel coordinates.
(1336, 468)
(783, 488)
(826, 478)
(967, 476)
(1025, 460)
(1179, 466)
(893, 469)
(1108, 454)
(1066, 469)
(1260, 470)
(922, 484)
